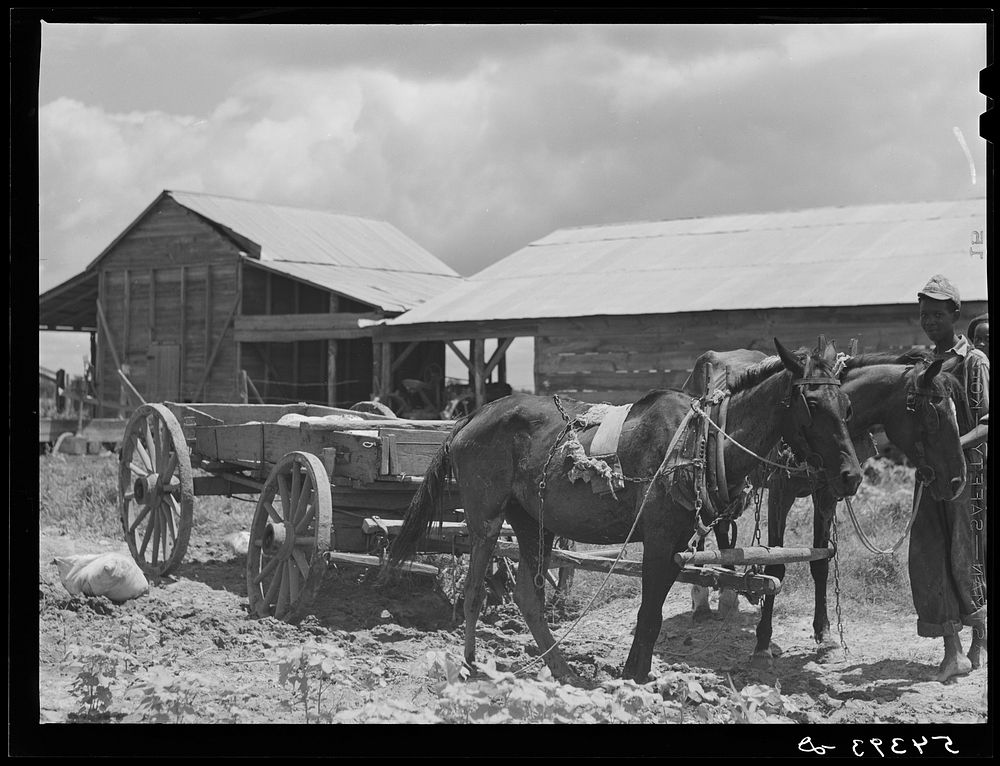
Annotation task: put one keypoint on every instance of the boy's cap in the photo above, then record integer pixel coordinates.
(938, 288)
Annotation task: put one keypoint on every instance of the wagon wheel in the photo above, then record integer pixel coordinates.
(375, 407)
(155, 489)
(291, 529)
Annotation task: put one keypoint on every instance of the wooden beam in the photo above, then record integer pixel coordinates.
(128, 313)
(461, 357)
(253, 388)
(182, 356)
(502, 345)
(404, 353)
(100, 346)
(129, 387)
(753, 555)
(152, 305)
(102, 323)
(239, 293)
(477, 351)
(215, 351)
(331, 357)
(385, 384)
(208, 305)
(241, 387)
(458, 330)
(284, 328)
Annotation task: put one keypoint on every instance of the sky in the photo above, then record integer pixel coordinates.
(475, 140)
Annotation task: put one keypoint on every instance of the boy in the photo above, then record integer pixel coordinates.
(946, 559)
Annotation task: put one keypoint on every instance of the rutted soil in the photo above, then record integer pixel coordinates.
(197, 621)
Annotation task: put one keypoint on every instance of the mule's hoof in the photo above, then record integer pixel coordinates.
(729, 603)
(775, 650)
(702, 615)
(762, 661)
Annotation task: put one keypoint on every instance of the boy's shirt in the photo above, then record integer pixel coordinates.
(968, 363)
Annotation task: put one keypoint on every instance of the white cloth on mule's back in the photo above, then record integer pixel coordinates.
(115, 575)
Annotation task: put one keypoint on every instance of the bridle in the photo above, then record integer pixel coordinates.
(799, 443)
(915, 393)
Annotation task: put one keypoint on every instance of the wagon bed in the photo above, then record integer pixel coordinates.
(333, 486)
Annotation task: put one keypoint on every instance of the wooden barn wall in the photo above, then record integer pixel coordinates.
(171, 280)
(298, 371)
(618, 359)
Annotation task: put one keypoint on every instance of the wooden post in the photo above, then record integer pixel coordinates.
(239, 293)
(331, 359)
(79, 385)
(152, 305)
(128, 312)
(183, 332)
(477, 350)
(385, 383)
(215, 351)
(100, 348)
(208, 307)
(242, 387)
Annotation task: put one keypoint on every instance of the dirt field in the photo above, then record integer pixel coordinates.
(188, 652)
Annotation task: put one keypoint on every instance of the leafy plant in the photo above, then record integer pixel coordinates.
(97, 669)
(313, 669)
(167, 697)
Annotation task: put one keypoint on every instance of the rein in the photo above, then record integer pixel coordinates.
(866, 541)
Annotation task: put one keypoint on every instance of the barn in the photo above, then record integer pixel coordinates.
(201, 289)
(616, 310)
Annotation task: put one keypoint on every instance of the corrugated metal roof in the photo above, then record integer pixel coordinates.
(362, 258)
(832, 256)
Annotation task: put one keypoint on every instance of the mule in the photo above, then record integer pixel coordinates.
(913, 401)
(506, 463)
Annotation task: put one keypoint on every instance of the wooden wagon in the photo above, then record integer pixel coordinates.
(333, 486)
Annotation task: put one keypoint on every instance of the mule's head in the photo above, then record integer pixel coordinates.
(924, 425)
(815, 415)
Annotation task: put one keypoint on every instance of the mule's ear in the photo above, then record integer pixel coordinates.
(927, 375)
(788, 359)
(830, 353)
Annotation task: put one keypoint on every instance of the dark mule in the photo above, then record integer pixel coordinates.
(500, 454)
(911, 399)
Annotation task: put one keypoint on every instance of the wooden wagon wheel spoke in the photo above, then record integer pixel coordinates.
(293, 581)
(168, 470)
(285, 493)
(303, 524)
(143, 455)
(301, 502)
(138, 520)
(156, 536)
(155, 489)
(168, 518)
(145, 537)
(150, 441)
(293, 496)
(282, 606)
(272, 591)
(290, 532)
(275, 516)
(302, 561)
(266, 571)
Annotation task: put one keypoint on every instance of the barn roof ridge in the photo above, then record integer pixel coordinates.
(299, 208)
(761, 213)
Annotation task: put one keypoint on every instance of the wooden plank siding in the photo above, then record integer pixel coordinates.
(619, 359)
(155, 286)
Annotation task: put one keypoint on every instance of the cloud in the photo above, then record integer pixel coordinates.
(477, 140)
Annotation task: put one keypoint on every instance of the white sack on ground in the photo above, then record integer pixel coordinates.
(115, 575)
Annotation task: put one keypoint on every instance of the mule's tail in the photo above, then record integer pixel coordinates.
(425, 507)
